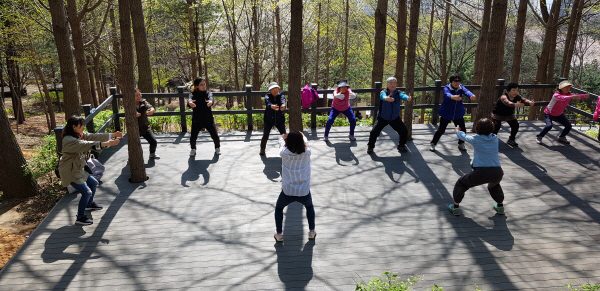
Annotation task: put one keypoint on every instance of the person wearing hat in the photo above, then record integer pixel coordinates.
(341, 104)
(389, 113)
(555, 111)
(504, 110)
(275, 104)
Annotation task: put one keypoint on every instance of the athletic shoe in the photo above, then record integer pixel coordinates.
(312, 235)
(84, 220)
(193, 153)
(402, 148)
(461, 146)
(325, 138)
(512, 143)
(538, 139)
(432, 147)
(217, 151)
(278, 237)
(351, 137)
(93, 206)
(455, 211)
(499, 209)
(563, 139)
(369, 149)
(154, 156)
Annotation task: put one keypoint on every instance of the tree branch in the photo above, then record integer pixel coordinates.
(537, 16)
(95, 39)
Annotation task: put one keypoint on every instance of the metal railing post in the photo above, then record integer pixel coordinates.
(115, 109)
(87, 110)
(436, 99)
(182, 104)
(313, 106)
(249, 106)
(58, 134)
(376, 97)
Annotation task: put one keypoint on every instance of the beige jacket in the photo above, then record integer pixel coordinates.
(74, 150)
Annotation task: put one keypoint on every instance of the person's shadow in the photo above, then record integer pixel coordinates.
(460, 164)
(499, 236)
(61, 239)
(394, 165)
(272, 167)
(343, 152)
(294, 261)
(197, 168)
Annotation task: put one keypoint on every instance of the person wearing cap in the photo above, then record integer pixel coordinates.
(201, 101)
(389, 113)
(341, 104)
(504, 110)
(452, 109)
(555, 111)
(275, 104)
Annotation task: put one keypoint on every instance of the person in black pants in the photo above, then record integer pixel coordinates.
(201, 100)
(504, 110)
(275, 104)
(145, 109)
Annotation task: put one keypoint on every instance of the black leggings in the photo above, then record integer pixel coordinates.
(267, 132)
(151, 138)
(514, 127)
(442, 128)
(285, 200)
(212, 129)
(480, 175)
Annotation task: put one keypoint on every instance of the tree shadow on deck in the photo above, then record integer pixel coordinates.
(197, 168)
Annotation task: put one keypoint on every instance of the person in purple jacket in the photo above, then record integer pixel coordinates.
(452, 109)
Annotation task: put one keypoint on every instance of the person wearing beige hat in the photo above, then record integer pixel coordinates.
(555, 111)
(275, 104)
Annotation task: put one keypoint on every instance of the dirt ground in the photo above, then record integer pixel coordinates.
(19, 217)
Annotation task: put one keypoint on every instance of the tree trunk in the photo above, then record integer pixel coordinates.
(232, 25)
(98, 77)
(346, 39)
(379, 47)
(90, 71)
(494, 49)
(258, 102)
(142, 51)
(13, 82)
(576, 14)
(411, 54)
(83, 79)
(15, 182)
(295, 62)
(279, 49)
(192, 34)
(401, 47)
(480, 51)
(444, 66)
(136, 155)
(197, 38)
(204, 41)
(426, 65)
(116, 49)
(60, 30)
(519, 35)
(316, 80)
(327, 61)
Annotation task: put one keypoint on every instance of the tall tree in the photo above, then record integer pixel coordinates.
(15, 181)
(318, 43)
(401, 46)
(426, 64)
(114, 36)
(480, 52)
(576, 14)
(60, 30)
(134, 146)
(445, 67)
(192, 38)
(379, 48)
(519, 35)
(142, 51)
(295, 62)
(256, 64)
(232, 28)
(75, 18)
(346, 39)
(279, 49)
(415, 7)
(494, 48)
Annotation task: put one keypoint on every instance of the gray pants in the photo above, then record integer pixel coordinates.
(480, 175)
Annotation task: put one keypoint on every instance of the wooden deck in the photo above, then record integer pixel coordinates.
(207, 223)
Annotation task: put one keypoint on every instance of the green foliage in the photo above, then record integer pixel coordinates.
(44, 159)
(389, 282)
(592, 132)
(584, 287)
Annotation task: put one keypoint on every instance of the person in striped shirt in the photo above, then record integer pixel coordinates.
(295, 180)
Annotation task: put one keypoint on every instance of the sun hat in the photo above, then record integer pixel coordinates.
(342, 83)
(273, 85)
(563, 84)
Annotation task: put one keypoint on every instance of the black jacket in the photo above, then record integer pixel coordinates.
(143, 123)
(202, 115)
(271, 116)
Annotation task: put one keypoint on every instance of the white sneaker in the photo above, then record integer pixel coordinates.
(432, 147)
(461, 146)
(193, 153)
(155, 156)
(217, 151)
(538, 139)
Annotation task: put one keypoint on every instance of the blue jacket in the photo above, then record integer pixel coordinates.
(390, 110)
(486, 149)
(451, 109)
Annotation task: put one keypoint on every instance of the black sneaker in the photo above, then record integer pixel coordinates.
(369, 149)
(93, 206)
(402, 148)
(84, 220)
(512, 143)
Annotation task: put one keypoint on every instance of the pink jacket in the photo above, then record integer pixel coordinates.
(339, 103)
(597, 112)
(559, 102)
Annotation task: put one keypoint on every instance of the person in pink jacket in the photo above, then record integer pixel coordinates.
(597, 112)
(555, 111)
(341, 104)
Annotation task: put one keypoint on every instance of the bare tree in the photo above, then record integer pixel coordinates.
(411, 53)
(480, 52)
(426, 64)
(142, 51)
(401, 47)
(318, 44)
(192, 38)
(519, 35)
(576, 15)
(379, 48)
(346, 39)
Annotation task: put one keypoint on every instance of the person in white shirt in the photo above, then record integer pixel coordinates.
(295, 180)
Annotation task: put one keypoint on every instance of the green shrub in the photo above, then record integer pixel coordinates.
(584, 287)
(389, 282)
(45, 158)
(592, 132)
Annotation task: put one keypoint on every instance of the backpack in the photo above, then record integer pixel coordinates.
(309, 95)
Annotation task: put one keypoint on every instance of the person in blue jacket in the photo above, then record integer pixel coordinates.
(389, 113)
(452, 109)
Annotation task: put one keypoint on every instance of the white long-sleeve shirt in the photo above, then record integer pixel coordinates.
(295, 170)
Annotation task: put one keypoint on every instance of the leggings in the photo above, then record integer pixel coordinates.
(212, 129)
(267, 132)
(396, 124)
(480, 175)
(442, 128)
(87, 190)
(514, 127)
(151, 138)
(333, 115)
(562, 119)
(285, 200)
